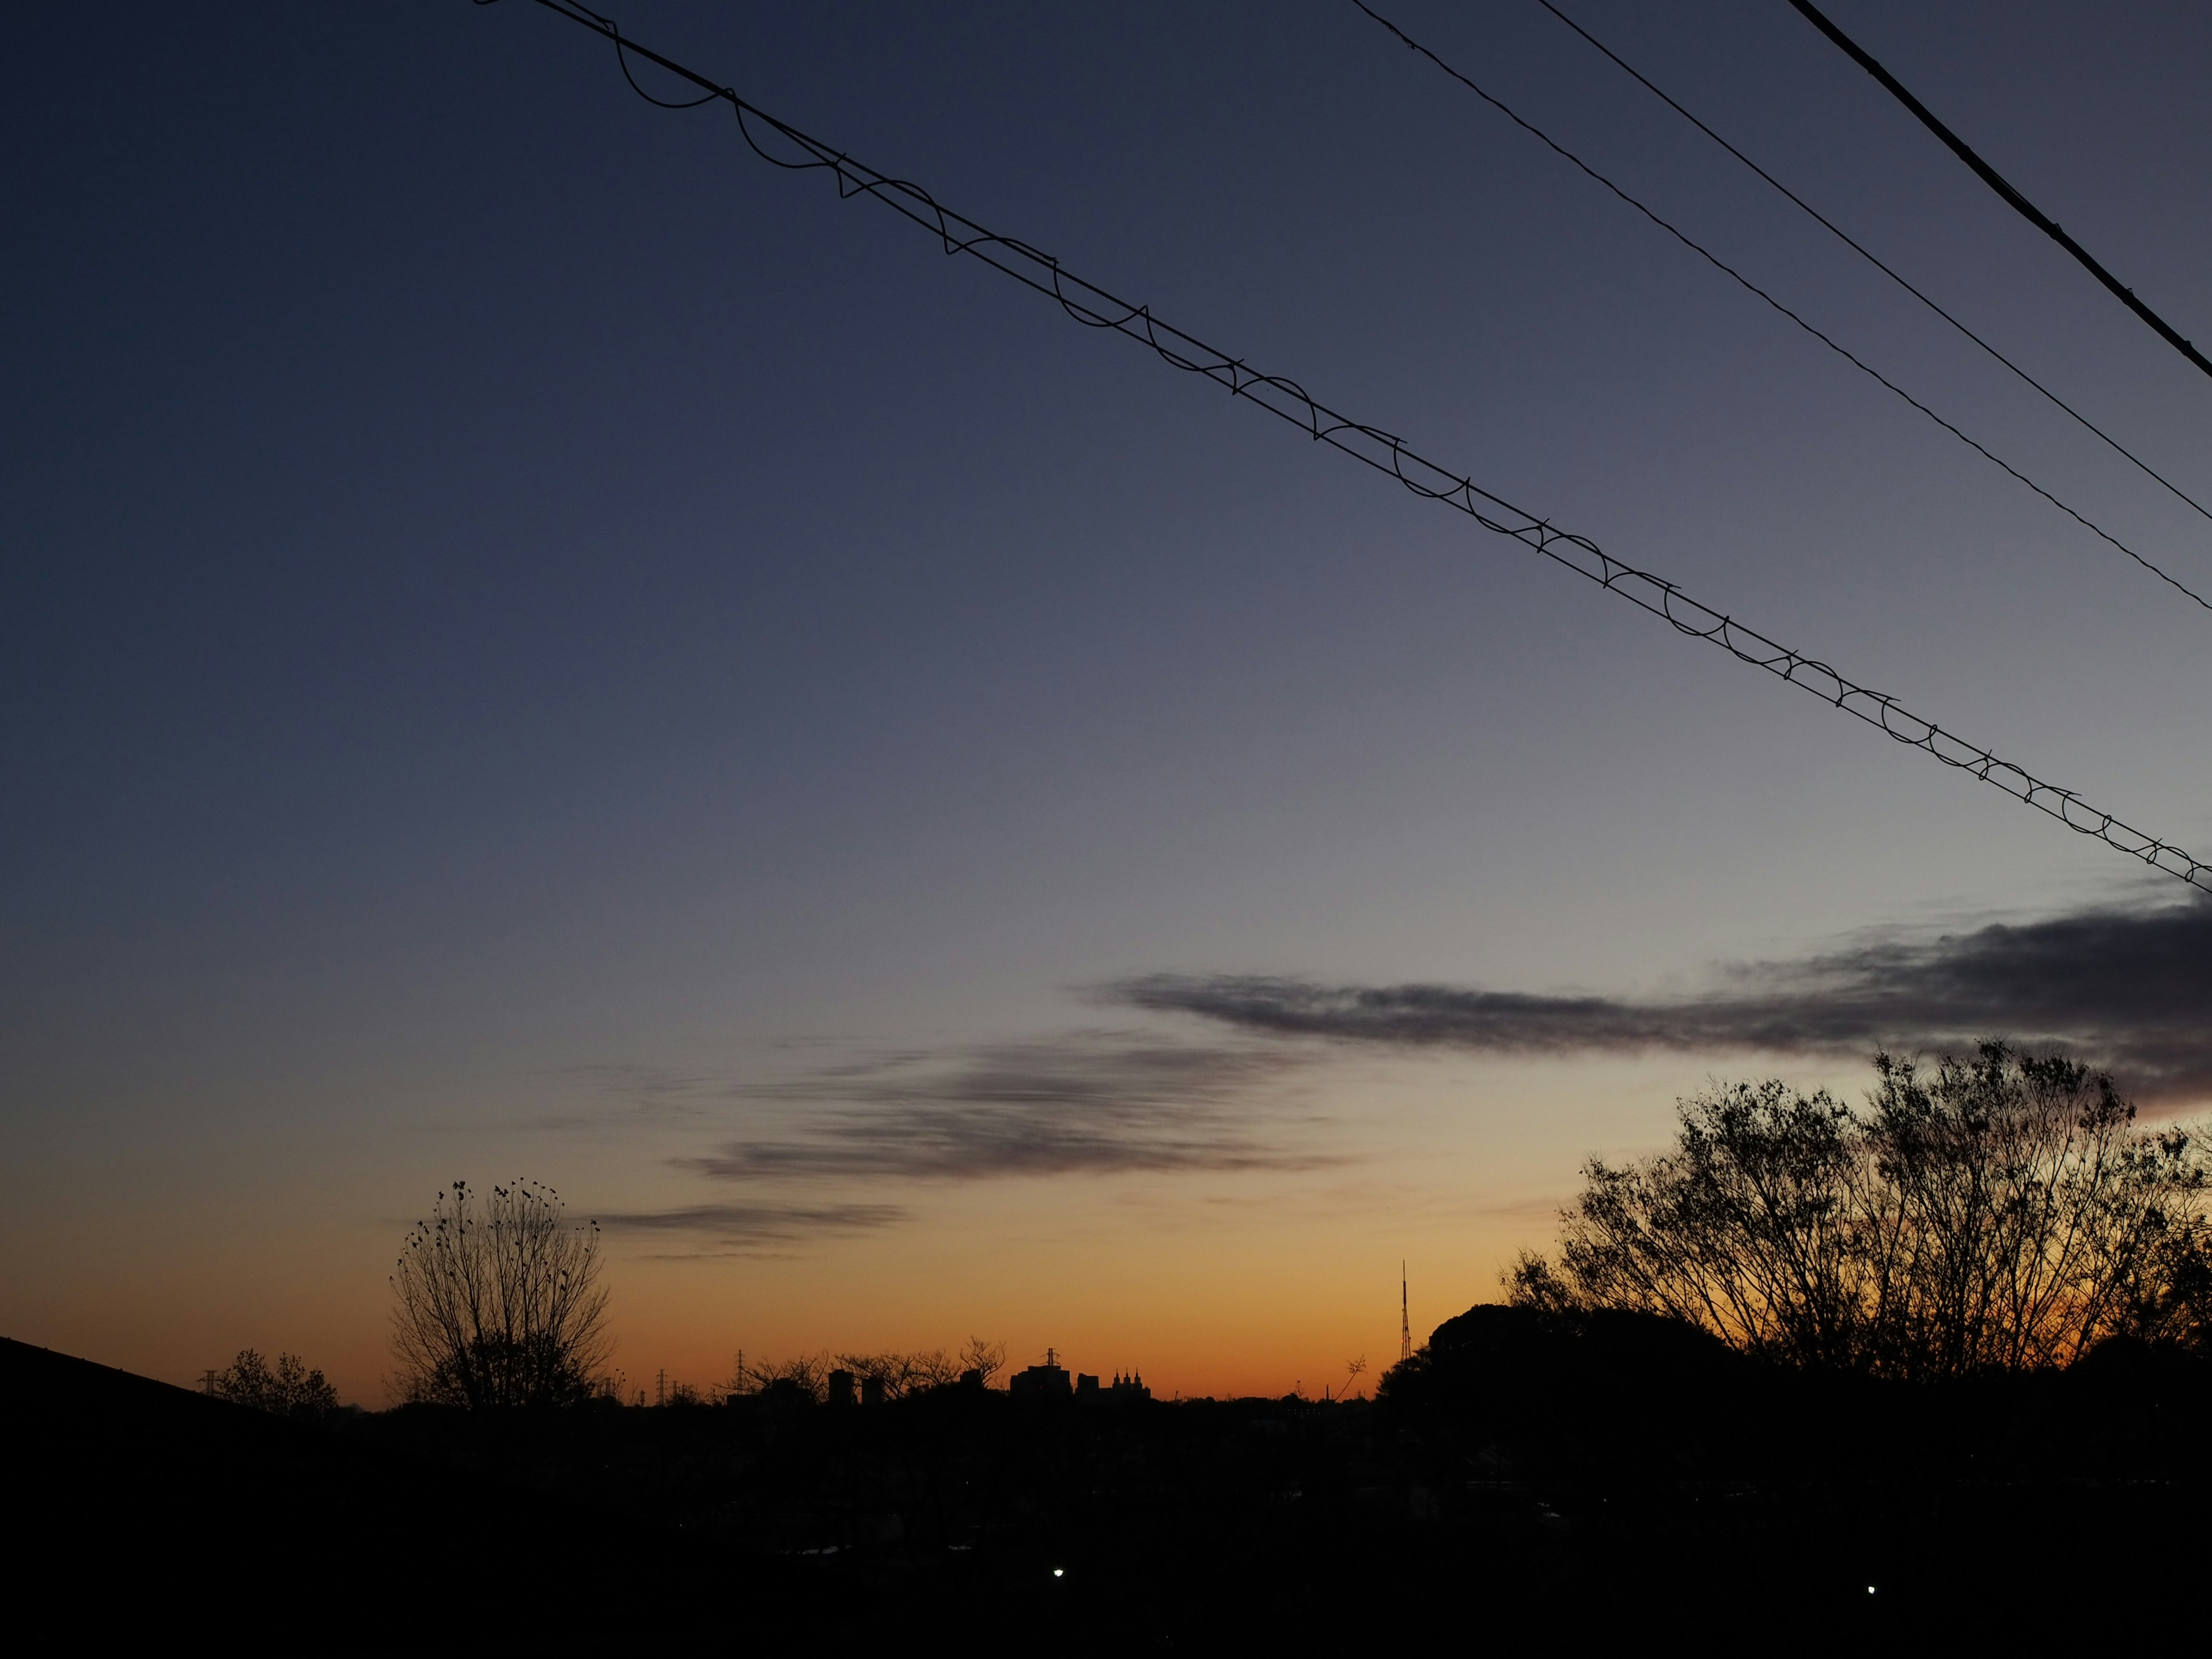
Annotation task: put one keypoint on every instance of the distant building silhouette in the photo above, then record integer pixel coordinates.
(1046, 1381)
(1128, 1390)
(871, 1389)
(1050, 1380)
(841, 1388)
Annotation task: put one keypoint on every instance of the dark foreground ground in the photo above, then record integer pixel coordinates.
(1561, 1487)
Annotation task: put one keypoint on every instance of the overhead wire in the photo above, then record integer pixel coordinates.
(1989, 176)
(1875, 260)
(1094, 306)
(1750, 287)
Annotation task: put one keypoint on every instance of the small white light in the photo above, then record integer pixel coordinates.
(1869, 1589)
(1056, 1573)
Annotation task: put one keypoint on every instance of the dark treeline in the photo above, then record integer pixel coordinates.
(1562, 1479)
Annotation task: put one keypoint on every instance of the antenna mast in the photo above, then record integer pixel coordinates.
(1405, 1323)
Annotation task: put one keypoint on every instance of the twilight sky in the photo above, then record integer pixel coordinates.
(534, 643)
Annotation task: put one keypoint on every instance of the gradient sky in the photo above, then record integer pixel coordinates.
(534, 643)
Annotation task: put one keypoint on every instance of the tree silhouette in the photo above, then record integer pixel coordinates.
(284, 1388)
(2000, 1213)
(987, 1359)
(899, 1374)
(902, 1374)
(498, 1305)
(805, 1374)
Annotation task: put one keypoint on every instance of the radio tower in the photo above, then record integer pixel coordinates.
(1404, 1324)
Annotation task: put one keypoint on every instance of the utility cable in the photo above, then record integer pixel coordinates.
(1750, 287)
(1850, 242)
(1096, 307)
(1989, 176)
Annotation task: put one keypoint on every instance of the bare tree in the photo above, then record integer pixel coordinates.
(2001, 1213)
(2030, 1216)
(498, 1303)
(888, 1370)
(903, 1374)
(930, 1368)
(900, 1374)
(987, 1360)
(1745, 1228)
(287, 1386)
(804, 1374)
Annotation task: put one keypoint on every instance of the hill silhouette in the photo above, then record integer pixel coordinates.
(196, 1516)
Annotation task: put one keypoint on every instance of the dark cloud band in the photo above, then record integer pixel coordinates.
(2130, 989)
(1087, 1102)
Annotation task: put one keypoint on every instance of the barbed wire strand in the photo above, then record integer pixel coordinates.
(1096, 307)
(1875, 260)
(1721, 265)
(1997, 181)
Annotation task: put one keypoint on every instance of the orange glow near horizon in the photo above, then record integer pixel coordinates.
(1235, 1283)
(1248, 1283)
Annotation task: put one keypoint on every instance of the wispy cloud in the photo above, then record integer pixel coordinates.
(2130, 989)
(1085, 1103)
(625, 1094)
(752, 1229)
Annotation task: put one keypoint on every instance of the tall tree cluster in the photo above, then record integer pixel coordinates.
(497, 1303)
(2000, 1213)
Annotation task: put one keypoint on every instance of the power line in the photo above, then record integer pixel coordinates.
(1721, 265)
(1989, 176)
(1096, 307)
(1848, 241)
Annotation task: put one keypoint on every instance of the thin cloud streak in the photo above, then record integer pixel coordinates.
(2129, 989)
(741, 1227)
(1093, 1102)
